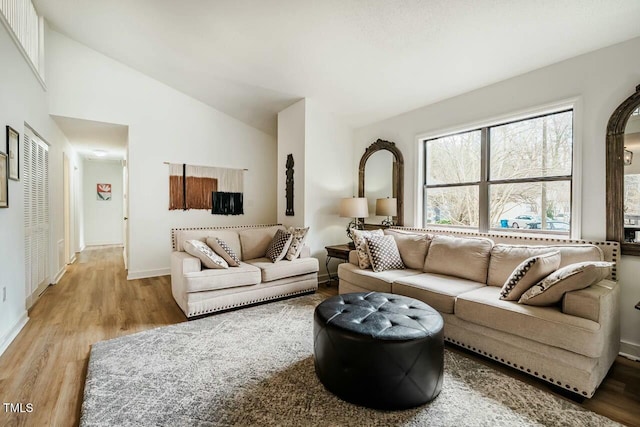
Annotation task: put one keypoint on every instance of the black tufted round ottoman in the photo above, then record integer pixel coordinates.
(379, 350)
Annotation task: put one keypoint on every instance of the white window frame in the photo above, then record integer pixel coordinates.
(574, 104)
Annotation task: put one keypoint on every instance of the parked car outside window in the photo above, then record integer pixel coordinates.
(551, 225)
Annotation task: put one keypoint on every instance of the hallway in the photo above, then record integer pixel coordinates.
(46, 364)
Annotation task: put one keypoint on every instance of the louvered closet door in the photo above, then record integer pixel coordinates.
(36, 211)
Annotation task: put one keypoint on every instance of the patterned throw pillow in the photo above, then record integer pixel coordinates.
(361, 245)
(279, 245)
(383, 253)
(529, 272)
(570, 278)
(299, 236)
(220, 247)
(205, 254)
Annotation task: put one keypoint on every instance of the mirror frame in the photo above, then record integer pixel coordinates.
(397, 185)
(615, 173)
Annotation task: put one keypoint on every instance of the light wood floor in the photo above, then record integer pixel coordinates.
(46, 364)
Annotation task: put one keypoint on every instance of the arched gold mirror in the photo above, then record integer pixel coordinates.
(623, 175)
(395, 176)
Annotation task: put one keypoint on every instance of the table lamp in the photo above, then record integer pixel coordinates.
(354, 207)
(387, 207)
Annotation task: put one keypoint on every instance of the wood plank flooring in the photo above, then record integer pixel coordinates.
(46, 364)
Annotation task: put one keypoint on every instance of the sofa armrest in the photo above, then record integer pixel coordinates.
(305, 252)
(353, 258)
(593, 303)
(182, 262)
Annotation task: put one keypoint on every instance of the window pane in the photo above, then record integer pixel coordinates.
(532, 148)
(631, 198)
(452, 206)
(520, 206)
(454, 159)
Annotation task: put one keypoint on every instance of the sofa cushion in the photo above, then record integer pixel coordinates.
(383, 253)
(230, 237)
(209, 280)
(438, 291)
(412, 247)
(220, 247)
(368, 279)
(299, 236)
(359, 239)
(271, 271)
(547, 325)
(279, 245)
(205, 254)
(528, 273)
(505, 258)
(255, 241)
(573, 277)
(466, 258)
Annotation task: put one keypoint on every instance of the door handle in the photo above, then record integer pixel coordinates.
(126, 218)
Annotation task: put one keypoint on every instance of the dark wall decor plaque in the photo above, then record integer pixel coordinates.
(289, 188)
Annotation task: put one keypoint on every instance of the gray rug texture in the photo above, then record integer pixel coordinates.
(254, 367)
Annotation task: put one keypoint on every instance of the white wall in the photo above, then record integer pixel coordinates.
(320, 143)
(164, 125)
(601, 80)
(291, 140)
(23, 100)
(328, 171)
(102, 218)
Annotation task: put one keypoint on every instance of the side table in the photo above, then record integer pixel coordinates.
(339, 252)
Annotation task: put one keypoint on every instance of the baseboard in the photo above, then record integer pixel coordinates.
(133, 275)
(111, 243)
(324, 277)
(59, 275)
(13, 332)
(630, 350)
(73, 258)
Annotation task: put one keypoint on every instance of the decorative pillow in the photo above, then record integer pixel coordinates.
(203, 252)
(570, 278)
(383, 253)
(529, 272)
(361, 245)
(299, 236)
(279, 245)
(221, 248)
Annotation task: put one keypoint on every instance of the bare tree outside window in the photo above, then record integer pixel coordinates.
(525, 184)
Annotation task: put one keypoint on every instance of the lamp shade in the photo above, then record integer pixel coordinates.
(386, 207)
(354, 207)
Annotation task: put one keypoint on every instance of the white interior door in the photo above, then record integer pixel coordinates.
(125, 211)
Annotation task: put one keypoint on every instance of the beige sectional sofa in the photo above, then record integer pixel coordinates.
(572, 344)
(200, 291)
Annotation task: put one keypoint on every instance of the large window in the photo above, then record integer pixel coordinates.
(514, 175)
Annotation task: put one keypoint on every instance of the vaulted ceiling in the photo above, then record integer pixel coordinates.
(365, 60)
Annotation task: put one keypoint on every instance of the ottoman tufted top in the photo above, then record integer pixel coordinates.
(380, 315)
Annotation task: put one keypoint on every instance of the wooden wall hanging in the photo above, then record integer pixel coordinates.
(196, 187)
(289, 189)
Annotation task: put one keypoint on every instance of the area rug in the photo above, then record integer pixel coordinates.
(254, 367)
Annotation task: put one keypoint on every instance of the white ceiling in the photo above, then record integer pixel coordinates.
(365, 60)
(86, 136)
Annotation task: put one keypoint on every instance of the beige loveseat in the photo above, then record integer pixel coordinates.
(572, 344)
(199, 290)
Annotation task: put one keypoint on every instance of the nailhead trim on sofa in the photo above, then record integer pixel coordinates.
(224, 227)
(520, 367)
(256, 301)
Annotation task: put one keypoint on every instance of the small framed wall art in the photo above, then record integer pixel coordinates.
(13, 152)
(4, 182)
(104, 192)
